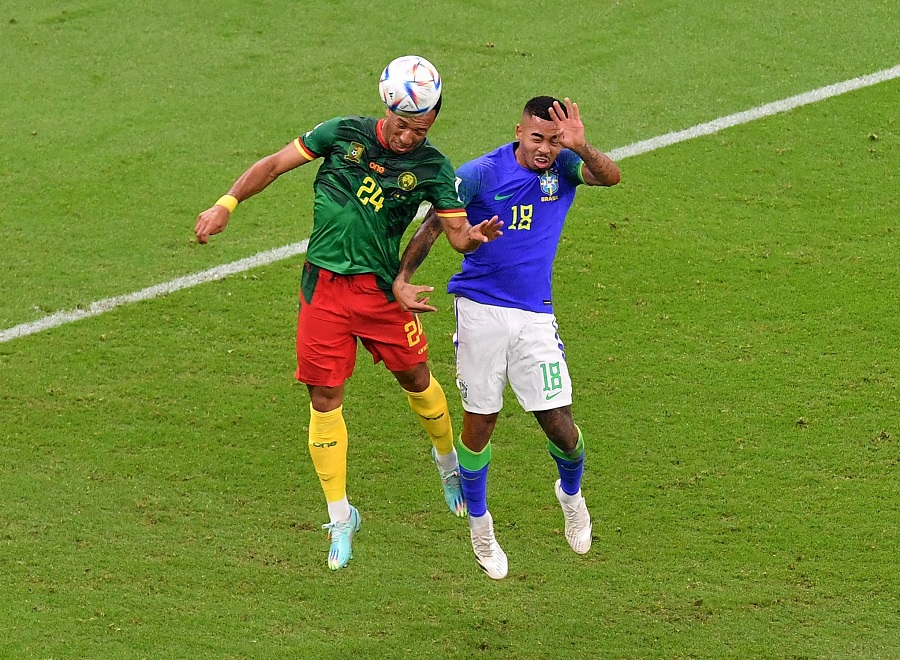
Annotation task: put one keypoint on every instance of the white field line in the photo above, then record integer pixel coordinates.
(755, 113)
(270, 256)
(107, 304)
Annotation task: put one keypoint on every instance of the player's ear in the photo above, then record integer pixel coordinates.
(518, 132)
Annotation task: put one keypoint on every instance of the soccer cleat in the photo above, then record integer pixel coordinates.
(488, 553)
(578, 521)
(453, 495)
(341, 535)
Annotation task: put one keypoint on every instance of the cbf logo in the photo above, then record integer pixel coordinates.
(463, 388)
(549, 186)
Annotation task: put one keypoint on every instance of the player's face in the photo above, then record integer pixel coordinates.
(403, 134)
(538, 143)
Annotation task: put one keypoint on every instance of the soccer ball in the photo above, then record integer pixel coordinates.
(410, 86)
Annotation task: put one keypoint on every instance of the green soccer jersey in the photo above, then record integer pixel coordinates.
(366, 195)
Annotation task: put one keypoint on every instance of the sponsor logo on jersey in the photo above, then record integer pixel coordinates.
(354, 152)
(500, 198)
(549, 186)
(407, 181)
(376, 167)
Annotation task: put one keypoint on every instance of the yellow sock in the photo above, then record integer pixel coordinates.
(431, 408)
(328, 449)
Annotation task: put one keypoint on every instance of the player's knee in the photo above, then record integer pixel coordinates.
(416, 379)
(559, 428)
(325, 399)
(565, 441)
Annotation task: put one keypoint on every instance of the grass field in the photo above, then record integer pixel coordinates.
(729, 312)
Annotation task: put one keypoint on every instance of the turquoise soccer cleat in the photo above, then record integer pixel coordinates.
(453, 495)
(341, 535)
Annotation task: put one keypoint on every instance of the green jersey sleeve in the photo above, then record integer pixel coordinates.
(318, 140)
(444, 195)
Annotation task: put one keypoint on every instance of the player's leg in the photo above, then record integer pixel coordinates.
(426, 398)
(475, 453)
(328, 450)
(539, 376)
(328, 447)
(481, 342)
(326, 354)
(398, 339)
(474, 448)
(566, 446)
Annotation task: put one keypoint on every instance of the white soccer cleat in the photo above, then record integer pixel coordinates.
(578, 520)
(488, 553)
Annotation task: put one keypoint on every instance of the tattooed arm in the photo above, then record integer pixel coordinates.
(408, 295)
(601, 170)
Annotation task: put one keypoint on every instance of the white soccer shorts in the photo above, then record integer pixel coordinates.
(496, 345)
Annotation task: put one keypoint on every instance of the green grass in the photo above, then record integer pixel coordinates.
(729, 311)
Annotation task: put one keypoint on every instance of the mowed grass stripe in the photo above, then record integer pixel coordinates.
(287, 251)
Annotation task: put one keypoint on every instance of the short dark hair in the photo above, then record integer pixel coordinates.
(437, 106)
(540, 106)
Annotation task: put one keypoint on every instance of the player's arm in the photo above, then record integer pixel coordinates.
(256, 179)
(451, 196)
(411, 297)
(598, 169)
(465, 237)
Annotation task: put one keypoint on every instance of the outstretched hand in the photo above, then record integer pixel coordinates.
(411, 297)
(486, 230)
(571, 129)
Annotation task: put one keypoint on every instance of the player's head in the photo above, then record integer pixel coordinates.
(540, 106)
(402, 134)
(537, 134)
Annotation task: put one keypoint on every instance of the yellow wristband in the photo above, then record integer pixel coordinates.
(230, 202)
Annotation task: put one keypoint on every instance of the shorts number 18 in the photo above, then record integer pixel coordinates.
(552, 376)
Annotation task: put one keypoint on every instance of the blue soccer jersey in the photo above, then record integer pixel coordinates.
(516, 269)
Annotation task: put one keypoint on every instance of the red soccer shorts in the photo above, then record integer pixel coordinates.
(342, 309)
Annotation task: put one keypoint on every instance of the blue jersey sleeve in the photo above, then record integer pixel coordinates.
(570, 166)
(469, 181)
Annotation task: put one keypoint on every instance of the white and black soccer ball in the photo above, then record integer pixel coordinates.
(410, 86)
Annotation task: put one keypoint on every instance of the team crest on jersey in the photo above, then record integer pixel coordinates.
(354, 152)
(549, 186)
(463, 388)
(407, 181)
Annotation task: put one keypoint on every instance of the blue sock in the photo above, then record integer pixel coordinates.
(570, 473)
(474, 488)
(570, 466)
